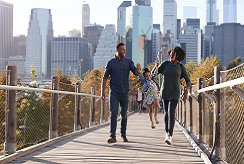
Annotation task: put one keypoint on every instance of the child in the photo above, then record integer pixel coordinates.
(151, 89)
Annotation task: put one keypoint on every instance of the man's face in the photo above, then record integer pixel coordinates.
(121, 51)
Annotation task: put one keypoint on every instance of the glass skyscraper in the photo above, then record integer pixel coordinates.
(170, 20)
(85, 14)
(38, 42)
(229, 11)
(6, 32)
(212, 14)
(139, 27)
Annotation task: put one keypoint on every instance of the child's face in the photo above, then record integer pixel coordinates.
(148, 76)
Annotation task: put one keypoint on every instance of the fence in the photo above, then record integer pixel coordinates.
(30, 115)
(214, 113)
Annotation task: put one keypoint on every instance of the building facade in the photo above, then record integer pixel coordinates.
(92, 34)
(85, 16)
(106, 46)
(194, 23)
(18, 61)
(156, 43)
(19, 46)
(229, 11)
(170, 19)
(71, 55)
(191, 39)
(121, 20)
(38, 42)
(139, 25)
(228, 42)
(6, 32)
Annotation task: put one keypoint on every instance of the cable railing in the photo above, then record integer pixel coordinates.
(214, 114)
(31, 115)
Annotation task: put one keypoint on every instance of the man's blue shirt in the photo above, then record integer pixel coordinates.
(119, 72)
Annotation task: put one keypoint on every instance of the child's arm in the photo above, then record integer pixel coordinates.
(155, 68)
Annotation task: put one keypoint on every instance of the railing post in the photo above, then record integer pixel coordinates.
(102, 119)
(77, 124)
(190, 110)
(10, 114)
(92, 107)
(219, 116)
(53, 128)
(200, 120)
(184, 110)
(204, 139)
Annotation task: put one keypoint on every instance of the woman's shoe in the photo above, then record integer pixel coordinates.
(156, 120)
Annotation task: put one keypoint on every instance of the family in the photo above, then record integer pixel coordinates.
(119, 67)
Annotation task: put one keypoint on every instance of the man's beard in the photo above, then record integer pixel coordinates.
(121, 55)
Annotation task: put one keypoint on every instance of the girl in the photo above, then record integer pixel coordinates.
(172, 72)
(151, 89)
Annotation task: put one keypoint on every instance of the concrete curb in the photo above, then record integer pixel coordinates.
(193, 143)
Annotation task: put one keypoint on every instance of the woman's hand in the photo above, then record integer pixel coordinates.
(184, 97)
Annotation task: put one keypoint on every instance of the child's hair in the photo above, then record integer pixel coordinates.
(146, 70)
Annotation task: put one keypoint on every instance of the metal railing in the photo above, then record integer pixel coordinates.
(214, 113)
(30, 115)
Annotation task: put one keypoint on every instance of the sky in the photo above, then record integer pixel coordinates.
(66, 14)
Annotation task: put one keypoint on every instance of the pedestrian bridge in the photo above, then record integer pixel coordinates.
(63, 125)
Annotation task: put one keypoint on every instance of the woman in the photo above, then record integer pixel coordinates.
(172, 72)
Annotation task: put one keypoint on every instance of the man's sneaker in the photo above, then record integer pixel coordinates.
(168, 139)
(112, 139)
(124, 138)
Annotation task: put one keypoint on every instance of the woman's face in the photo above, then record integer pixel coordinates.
(148, 76)
(172, 57)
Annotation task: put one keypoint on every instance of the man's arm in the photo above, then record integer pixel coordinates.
(104, 83)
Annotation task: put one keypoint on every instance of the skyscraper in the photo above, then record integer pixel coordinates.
(85, 15)
(106, 46)
(6, 32)
(189, 12)
(121, 20)
(170, 19)
(228, 42)
(212, 14)
(38, 42)
(92, 33)
(192, 39)
(229, 11)
(139, 25)
(71, 55)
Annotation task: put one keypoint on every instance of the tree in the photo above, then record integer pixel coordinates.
(234, 63)
(33, 71)
(2, 109)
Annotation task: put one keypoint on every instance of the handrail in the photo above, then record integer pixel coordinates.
(221, 85)
(45, 90)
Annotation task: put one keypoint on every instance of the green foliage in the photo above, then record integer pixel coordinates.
(234, 63)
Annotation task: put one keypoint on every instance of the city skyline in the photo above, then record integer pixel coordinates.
(63, 22)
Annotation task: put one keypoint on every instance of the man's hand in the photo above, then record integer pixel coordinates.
(138, 66)
(103, 87)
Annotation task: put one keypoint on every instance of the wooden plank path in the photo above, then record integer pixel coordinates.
(145, 145)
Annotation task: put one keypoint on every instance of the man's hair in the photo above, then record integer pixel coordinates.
(179, 52)
(118, 45)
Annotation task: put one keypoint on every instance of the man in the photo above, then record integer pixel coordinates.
(118, 68)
